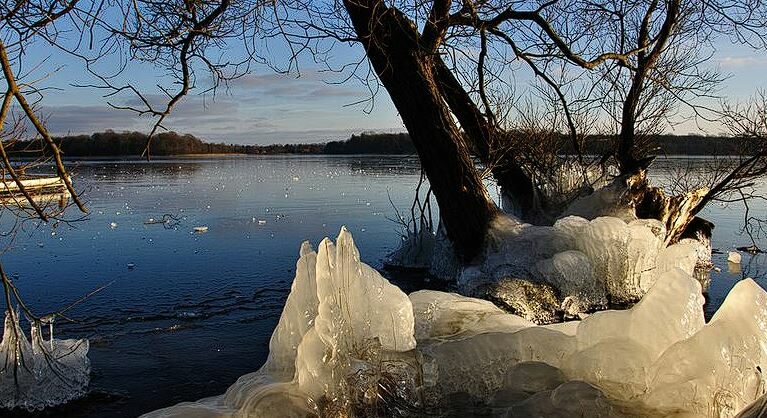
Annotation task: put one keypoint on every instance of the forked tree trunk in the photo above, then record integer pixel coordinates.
(484, 137)
(391, 44)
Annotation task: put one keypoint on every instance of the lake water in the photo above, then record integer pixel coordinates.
(196, 310)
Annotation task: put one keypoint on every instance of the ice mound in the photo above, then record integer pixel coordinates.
(344, 342)
(655, 359)
(351, 344)
(41, 373)
(588, 263)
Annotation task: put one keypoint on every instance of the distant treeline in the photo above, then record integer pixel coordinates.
(677, 145)
(372, 144)
(111, 144)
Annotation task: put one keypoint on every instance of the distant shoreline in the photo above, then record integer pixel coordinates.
(131, 145)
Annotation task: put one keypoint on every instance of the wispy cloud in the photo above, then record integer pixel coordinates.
(76, 119)
(742, 61)
(261, 108)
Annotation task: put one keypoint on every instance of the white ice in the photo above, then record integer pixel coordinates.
(348, 341)
(42, 373)
(587, 262)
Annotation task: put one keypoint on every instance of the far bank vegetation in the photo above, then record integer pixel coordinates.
(117, 144)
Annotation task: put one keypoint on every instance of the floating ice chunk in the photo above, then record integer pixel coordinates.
(444, 264)
(734, 257)
(41, 373)
(537, 302)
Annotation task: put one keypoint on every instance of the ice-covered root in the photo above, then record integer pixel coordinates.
(537, 302)
(42, 373)
(414, 252)
(586, 263)
(426, 250)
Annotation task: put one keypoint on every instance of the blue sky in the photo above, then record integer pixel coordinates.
(266, 107)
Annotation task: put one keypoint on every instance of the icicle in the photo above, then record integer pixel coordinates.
(40, 374)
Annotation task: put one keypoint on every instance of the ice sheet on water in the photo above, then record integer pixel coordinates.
(348, 339)
(36, 373)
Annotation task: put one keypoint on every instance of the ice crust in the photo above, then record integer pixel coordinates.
(36, 373)
(588, 262)
(351, 344)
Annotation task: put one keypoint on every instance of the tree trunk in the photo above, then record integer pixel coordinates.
(392, 46)
(483, 135)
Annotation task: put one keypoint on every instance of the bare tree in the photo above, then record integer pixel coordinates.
(446, 65)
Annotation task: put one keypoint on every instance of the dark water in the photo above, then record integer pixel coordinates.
(197, 310)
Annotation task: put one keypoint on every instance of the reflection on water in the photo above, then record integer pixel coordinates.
(196, 310)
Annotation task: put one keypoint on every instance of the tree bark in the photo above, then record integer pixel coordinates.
(630, 158)
(509, 175)
(392, 45)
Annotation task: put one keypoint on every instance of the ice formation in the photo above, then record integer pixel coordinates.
(589, 263)
(415, 251)
(42, 373)
(351, 344)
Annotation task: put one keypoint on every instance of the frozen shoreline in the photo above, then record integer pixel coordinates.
(350, 343)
